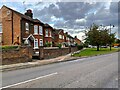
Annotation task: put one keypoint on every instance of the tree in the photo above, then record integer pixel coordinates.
(98, 37)
(117, 41)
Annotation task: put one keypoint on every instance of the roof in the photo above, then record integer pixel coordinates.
(47, 26)
(22, 15)
(57, 31)
(70, 36)
(37, 21)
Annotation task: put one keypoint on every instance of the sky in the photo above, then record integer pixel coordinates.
(73, 17)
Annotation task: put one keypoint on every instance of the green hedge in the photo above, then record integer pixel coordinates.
(8, 47)
(80, 47)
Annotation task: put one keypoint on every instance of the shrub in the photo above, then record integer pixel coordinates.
(48, 44)
(8, 47)
(59, 46)
(80, 47)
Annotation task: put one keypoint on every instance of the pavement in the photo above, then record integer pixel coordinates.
(36, 62)
(92, 72)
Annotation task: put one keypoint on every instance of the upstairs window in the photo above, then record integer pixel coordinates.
(46, 33)
(27, 26)
(35, 29)
(60, 36)
(63, 37)
(40, 30)
(0, 28)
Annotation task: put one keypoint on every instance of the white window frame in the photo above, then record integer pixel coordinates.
(40, 30)
(46, 35)
(35, 29)
(0, 28)
(36, 40)
(63, 36)
(40, 42)
(27, 26)
(60, 36)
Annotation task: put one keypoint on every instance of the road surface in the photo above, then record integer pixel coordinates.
(93, 72)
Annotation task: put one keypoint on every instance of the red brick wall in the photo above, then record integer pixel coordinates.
(21, 55)
(47, 53)
(7, 26)
(77, 41)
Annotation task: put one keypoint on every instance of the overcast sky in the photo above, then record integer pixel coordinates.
(71, 16)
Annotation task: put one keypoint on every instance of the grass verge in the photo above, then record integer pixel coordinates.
(94, 52)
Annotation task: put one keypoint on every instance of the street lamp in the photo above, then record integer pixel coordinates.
(110, 35)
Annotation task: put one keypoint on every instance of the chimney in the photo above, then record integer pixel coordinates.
(75, 36)
(29, 13)
(66, 33)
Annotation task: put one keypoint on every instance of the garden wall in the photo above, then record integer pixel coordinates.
(46, 53)
(19, 55)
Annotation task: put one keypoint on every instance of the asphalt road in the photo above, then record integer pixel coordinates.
(93, 72)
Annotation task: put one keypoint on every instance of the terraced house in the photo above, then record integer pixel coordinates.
(47, 35)
(21, 29)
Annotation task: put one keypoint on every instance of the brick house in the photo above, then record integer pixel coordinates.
(67, 40)
(20, 28)
(71, 40)
(77, 41)
(38, 33)
(47, 33)
(59, 37)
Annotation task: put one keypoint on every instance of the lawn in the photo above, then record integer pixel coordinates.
(93, 52)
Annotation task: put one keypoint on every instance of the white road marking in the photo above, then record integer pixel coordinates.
(29, 80)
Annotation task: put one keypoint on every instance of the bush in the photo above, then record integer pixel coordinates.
(59, 46)
(80, 47)
(47, 44)
(8, 47)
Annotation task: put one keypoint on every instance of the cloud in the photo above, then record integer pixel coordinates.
(73, 15)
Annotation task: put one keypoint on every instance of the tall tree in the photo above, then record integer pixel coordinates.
(98, 37)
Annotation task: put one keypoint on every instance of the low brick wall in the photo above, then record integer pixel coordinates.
(46, 53)
(21, 55)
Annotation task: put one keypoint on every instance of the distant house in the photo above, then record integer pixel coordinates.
(71, 40)
(59, 37)
(47, 33)
(20, 28)
(77, 41)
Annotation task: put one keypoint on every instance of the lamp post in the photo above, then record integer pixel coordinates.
(110, 35)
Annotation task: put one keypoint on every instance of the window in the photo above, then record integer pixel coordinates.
(0, 28)
(63, 37)
(60, 36)
(36, 43)
(46, 33)
(35, 29)
(27, 26)
(40, 30)
(41, 42)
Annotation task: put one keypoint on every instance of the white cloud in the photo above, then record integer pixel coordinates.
(80, 20)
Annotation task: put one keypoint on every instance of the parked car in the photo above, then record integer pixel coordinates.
(103, 46)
